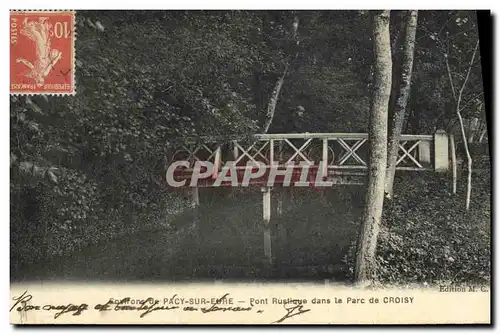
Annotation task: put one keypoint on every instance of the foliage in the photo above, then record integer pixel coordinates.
(108, 143)
(91, 166)
(428, 237)
(440, 34)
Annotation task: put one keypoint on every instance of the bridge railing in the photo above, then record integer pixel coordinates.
(338, 151)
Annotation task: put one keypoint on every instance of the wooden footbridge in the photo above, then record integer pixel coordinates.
(309, 159)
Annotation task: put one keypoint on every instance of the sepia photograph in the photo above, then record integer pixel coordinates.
(331, 148)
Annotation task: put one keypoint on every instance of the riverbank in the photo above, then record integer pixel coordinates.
(426, 236)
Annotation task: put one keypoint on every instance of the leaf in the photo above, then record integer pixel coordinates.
(33, 106)
(33, 126)
(13, 159)
(21, 116)
(99, 26)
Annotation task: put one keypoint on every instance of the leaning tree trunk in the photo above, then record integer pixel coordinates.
(469, 159)
(396, 52)
(399, 113)
(462, 128)
(365, 257)
(273, 100)
(457, 96)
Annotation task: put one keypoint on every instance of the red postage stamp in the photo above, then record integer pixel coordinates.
(42, 52)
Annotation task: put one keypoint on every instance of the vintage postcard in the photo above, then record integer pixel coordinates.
(250, 167)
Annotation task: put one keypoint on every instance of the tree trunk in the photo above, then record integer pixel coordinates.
(273, 100)
(458, 110)
(453, 163)
(403, 92)
(397, 59)
(469, 160)
(367, 242)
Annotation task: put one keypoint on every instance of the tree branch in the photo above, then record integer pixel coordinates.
(468, 72)
(273, 100)
(462, 128)
(471, 99)
(449, 75)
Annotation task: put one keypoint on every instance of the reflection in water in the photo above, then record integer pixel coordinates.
(309, 241)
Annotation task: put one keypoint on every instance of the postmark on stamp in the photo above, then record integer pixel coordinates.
(42, 52)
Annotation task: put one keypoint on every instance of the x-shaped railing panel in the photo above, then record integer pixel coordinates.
(248, 152)
(289, 148)
(193, 151)
(298, 151)
(407, 153)
(351, 151)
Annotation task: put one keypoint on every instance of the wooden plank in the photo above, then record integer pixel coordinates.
(347, 172)
(320, 135)
(281, 136)
(271, 152)
(348, 136)
(280, 149)
(453, 163)
(334, 135)
(424, 152)
(266, 215)
(324, 172)
(217, 160)
(416, 169)
(235, 150)
(249, 167)
(347, 167)
(416, 137)
(441, 148)
(195, 197)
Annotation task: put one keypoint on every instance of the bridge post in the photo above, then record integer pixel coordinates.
(281, 193)
(324, 171)
(217, 160)
(441, 149)
(279, 202)
(195, 204)
(195, 197)
(235, 150)
(424, 152)
(281, 231)
(266, 215)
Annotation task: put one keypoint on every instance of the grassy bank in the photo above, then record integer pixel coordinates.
(427, 236)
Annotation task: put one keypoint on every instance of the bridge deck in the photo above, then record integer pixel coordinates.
(341, 158)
